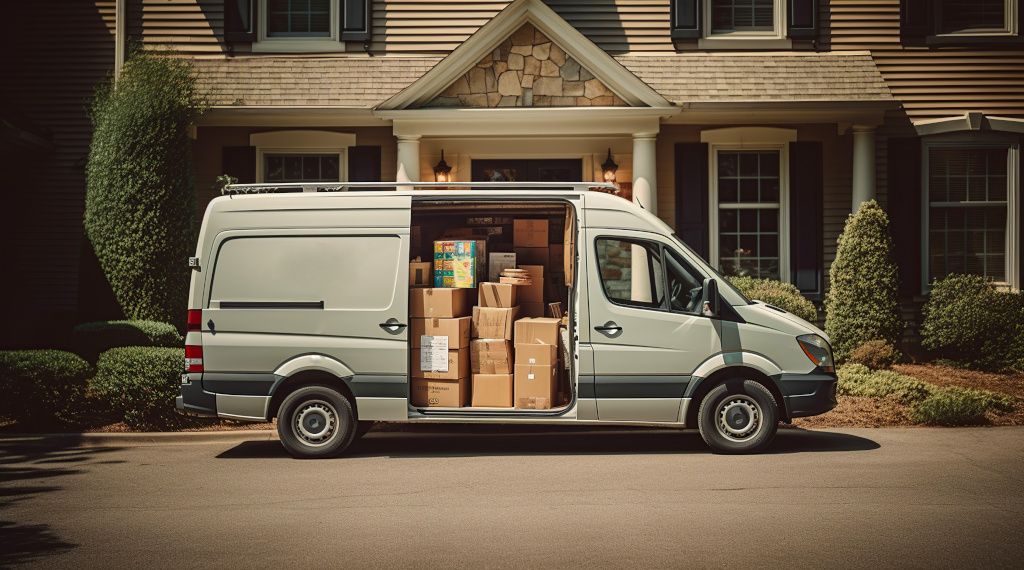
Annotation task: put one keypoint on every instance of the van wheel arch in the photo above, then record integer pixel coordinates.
(308, 378)
(723, 375)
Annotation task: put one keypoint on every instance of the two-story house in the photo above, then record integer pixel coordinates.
(753, 127)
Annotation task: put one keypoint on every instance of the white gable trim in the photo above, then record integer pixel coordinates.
(620, 80)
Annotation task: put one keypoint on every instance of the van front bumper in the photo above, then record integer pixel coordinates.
(808, 394)
(194, 400)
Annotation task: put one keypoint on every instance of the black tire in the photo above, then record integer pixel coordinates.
(328, 423)
(738, 416)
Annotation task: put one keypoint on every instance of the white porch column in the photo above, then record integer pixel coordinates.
(863, 165)
(408, 158)
(645, 193)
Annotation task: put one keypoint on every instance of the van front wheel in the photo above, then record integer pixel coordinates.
(738, 416)
(316, 421)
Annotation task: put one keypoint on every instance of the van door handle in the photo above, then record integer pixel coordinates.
(393, 326)
(609, 328)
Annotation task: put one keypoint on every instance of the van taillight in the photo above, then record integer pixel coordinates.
(195, 319)
(193, 358)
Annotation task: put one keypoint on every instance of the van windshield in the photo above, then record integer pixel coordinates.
(732, 294)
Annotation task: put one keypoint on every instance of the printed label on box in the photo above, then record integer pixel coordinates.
(433, 353)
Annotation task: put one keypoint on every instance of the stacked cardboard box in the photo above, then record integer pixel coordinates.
(491, 347)
(455, 263)
(537, 370)
(440, 330)
(530, 242)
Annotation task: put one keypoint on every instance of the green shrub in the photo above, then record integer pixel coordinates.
(782, 295)
(91, 339)
(140, 383)
(140, 202)
(950, 408)
(968, 321)
(862, 302)
(859, 380)
(43, 388)
(875, 354)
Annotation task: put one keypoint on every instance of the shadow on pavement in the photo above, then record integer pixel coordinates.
(24, 467)
(472, 441)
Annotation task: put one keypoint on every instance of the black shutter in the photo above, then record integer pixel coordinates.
(692, 195)
(904, 191)
(356, 20)
(805, 216)
(240, 162)
(916, 21)
(686, 18)
(240, 20)
(802, 19)
(364, 164)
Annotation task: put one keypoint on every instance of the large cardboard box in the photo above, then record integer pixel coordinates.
(529, 233)
(498, 262)
(537, 330)
(497, 295)
(420, 273)
(537, 354)
(427, 392)
(490, 356)
(535, 386)
(494, 322)
(492, 390)
(456, 329)
(533, 293)
(479, 235)
(533, 256)
(457, 366)
(455, 263)
(439, 302)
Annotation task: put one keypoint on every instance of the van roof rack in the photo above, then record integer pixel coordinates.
(298, 187)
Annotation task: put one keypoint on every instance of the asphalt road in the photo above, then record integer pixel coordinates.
(646, 498)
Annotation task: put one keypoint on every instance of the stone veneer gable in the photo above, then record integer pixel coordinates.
(527, 70)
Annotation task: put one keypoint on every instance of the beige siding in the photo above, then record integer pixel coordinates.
(937, 82)
(190, 27)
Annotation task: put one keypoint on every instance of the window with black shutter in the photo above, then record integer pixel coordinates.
(937, 22)
(686, 18)
(298, 25)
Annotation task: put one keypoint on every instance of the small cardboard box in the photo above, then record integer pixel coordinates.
(533, 256)
(490, 356)
(498, 262)
(536, 354)
(458, 366)
(529, 233)
(420, 273)
(497, 295)
(533, 293)
(494, 322)
(456, 329)
(537, 330)
(534, 386)
(492, 390)
(455, 263)
(427, 392)
(439, 302)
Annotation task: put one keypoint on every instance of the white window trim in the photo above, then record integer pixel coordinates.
(267, 44)
(774, 39)
(1009, 28)
(1013, 205)
(302, 142)
(750, 138)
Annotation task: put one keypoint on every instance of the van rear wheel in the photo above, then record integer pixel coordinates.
(738, 416)
(316, 421)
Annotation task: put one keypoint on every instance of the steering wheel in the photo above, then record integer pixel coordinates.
(695, 294)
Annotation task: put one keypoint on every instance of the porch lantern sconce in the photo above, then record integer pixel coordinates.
(442, 171)
(608, 168)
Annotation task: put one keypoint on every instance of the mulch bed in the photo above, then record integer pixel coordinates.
(860, 411)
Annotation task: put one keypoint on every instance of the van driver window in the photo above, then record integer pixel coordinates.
(632, 272)
(685, 287)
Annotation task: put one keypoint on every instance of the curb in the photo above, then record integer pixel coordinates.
(133, 439)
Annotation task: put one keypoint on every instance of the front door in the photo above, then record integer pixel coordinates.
(648, 336)
(528, 170)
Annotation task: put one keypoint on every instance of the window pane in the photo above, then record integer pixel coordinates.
(971, 15)
(299, 18)
(742, 15)
(684, 285)
(749, 237)
(617, 260)
(301, 168)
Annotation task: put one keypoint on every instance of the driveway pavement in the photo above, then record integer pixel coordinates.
(495, 498)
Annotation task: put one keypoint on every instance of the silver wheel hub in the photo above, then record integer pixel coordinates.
(738, 418)
(315, 422)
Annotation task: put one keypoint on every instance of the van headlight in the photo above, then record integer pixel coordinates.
(818, 351)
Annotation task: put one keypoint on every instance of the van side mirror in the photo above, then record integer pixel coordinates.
(709, 307)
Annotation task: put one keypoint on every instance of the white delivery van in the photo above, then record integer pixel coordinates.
(299, 310)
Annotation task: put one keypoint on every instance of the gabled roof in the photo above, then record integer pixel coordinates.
(604, 67)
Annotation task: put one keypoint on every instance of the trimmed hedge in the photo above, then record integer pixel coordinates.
(43, 387)
(862, 302)
(970, 322)
(140, 202)
(140, 383)
(875, 354)
(91, 339)
(782, 295)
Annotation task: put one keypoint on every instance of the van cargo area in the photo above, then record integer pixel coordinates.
(492, 307)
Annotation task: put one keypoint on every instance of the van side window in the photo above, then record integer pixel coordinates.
(632, 272)
(685, 287)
